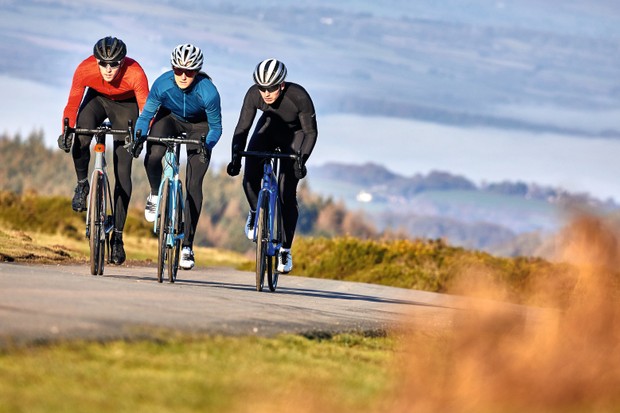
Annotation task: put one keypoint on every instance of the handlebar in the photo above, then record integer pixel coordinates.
(104, 129)
(175, 139)
(279, 155)
(135, 147)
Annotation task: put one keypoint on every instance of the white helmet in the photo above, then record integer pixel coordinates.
(269, 72)
(186, 56)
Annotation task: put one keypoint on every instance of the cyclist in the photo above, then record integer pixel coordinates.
(288, 121)
(183, 99)
(117, 88)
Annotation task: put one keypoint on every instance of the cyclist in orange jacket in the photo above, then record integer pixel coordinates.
(116, 89)
(288, 121)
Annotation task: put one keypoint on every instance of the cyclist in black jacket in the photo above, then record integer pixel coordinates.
(288, 121)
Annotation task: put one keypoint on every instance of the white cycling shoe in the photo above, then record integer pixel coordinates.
(151, 208)
(285, 261)
(187, 258)
(249, 225)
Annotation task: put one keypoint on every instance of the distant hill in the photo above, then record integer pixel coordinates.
(503, 217)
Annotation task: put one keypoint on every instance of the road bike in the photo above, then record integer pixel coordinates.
(268, 217)
(100, 209)
(169, 225)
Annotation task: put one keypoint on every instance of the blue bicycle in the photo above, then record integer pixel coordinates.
(169, 225)
(268, 223)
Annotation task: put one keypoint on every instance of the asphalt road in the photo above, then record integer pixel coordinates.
(47, 302)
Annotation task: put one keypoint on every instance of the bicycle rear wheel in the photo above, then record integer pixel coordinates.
(96, 222)
(262, 238)
(163, 230)
(173, 253)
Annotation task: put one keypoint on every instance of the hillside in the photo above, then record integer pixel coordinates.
(508, 218)
(28, 167)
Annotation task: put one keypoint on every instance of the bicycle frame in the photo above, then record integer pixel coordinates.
(100, 172)
(171, 175)
(270, 189)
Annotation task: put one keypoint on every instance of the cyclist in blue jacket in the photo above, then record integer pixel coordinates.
(183, 99)
(288, 121)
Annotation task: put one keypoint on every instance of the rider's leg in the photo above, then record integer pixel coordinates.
(119, 114)
(90, 116)
(195, 174)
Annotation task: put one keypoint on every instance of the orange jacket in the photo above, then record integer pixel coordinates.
(129, 82)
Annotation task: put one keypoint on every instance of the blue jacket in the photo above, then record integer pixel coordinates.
(198, 103)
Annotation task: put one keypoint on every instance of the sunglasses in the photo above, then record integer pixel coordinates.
(111, 64)
(179, 72)
(269, 89)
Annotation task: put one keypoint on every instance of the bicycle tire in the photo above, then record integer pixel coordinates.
(262, 238)
(272, 270)
(96, 223)
(173, 256)
(163, 230)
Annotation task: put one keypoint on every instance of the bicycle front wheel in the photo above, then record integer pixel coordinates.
(96, 222)
(163, 229)
(272, 273)
(262, 259)
(177, 229)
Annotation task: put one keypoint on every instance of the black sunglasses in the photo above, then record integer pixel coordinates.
(179, 72)
(269, 89)
(111, 64)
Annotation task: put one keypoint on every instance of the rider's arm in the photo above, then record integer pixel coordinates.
(307, 119)
(246, 119)
(153, 102)
(78, 85)
(214, 114)
(139, 82)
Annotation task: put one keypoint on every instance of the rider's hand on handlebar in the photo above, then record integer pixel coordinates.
(300, 169)
(65, 142)
(135, 146)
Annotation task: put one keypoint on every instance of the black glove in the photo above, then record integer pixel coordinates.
(233, 168)
(65, 142)
(136, 148)
(300, 169)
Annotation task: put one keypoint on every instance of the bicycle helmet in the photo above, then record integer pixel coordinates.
(269, 73)
(187, 56)
(110, 49)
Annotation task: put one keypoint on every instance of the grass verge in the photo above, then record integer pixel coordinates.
(207, 374)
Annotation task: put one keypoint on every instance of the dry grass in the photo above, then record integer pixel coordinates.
(493, 362)
(18, 246)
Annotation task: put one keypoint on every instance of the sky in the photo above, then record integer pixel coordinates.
(405, 146)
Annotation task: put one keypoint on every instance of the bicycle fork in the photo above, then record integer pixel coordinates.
(272, 243)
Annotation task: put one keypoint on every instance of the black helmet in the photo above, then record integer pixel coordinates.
(110, 49)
